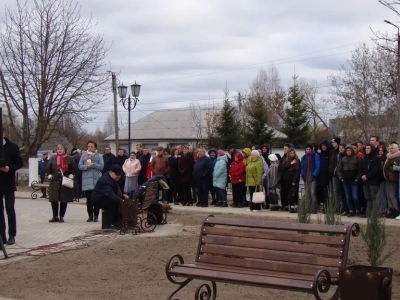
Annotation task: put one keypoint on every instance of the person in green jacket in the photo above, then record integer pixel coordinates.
(254, 171)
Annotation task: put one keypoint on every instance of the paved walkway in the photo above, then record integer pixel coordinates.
(35, 231)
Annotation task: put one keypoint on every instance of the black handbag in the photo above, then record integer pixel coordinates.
(273, 197)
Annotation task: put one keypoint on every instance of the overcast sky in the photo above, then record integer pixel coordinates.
(184, 51)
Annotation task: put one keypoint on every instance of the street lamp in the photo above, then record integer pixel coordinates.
(398, 78)
(129, 104)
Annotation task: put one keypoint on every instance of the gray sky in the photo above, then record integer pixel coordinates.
(184, 51)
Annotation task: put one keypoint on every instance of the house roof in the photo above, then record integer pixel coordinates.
(177, 124)
(51, 143)
(182, 124)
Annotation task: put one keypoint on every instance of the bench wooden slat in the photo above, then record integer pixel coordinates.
(279, 236)
(248, 279)
(279, 255)
(253, 271)
(271, 245)
(148, 198)
(241, 253)
(264, 265)
(247, 271)
(334, 229)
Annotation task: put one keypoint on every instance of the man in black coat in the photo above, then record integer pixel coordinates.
(108, 159)
(105, 193)
(12, 162)
(370, 168)
(144, 162)
(202, 175)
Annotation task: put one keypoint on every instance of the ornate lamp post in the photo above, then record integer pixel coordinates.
(129, 104)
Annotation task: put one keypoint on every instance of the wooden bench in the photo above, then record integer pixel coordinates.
(37, 187)
(287, 256)
(144, 204)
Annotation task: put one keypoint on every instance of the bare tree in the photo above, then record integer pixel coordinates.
(196, 113)
(51, 65)
(69, 127)
(364, 91)
(109, 126)
(267, 85)
(315, 110)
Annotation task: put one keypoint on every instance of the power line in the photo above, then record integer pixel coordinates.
(255, 64)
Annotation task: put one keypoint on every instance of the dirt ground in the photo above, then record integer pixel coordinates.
(133, 268)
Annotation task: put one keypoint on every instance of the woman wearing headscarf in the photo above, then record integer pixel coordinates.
(60, 165)
(254, 172)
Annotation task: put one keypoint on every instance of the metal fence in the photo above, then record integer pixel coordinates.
(21, 178)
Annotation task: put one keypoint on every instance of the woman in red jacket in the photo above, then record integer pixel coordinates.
(237, 173)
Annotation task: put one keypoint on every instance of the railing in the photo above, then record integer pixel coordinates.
(19, 178)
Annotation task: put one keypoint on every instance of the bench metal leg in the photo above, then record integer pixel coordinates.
(181, 286)
(204, 292)
(3, 248)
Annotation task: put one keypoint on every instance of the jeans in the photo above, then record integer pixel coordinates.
(370, 194)
(310, 189)
(221, 194)
(383, 203)
(391, 189)
(351, 192)
(9, 199)
(337, 192)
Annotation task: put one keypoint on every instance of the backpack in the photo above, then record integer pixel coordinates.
(157, 210)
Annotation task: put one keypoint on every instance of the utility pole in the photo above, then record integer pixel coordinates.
(398, 84)
(398, 78)
(114, 89)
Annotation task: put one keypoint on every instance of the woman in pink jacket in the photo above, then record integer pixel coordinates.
(131, 169)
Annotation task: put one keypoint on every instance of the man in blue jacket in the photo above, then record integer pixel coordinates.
(42, 168)
(310, 167)
(202, 174)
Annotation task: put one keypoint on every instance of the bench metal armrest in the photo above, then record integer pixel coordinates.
(322, 283)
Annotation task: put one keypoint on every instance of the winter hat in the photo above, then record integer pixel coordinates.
(291, 145)
(116, 169)
(212, 151)
(343, 144)
(309, 146)
(221, 153)
(337, 140)
(272, 157)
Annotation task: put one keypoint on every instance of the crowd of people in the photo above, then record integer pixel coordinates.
(356, 177)
(353, 176)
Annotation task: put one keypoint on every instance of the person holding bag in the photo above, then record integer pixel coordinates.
(60, 165)
(254, 172)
